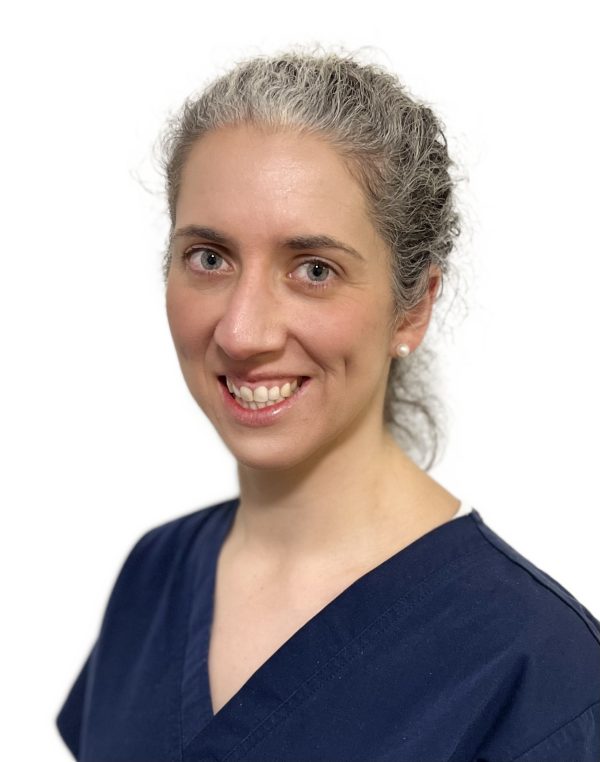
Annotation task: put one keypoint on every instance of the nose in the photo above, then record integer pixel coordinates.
(253, 318)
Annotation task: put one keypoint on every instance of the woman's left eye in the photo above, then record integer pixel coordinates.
(319, 273)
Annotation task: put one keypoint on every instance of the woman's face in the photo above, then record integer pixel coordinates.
(262, 290)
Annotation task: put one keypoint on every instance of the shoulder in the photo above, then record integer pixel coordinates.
(153, 590)
(154, 566)
(544, 642)
(148, 600)
(535, 601)
(164, 544)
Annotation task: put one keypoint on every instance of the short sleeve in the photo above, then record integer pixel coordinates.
(70, 717)
(576, 741)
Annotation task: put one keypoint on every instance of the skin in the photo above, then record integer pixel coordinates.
(325, 492)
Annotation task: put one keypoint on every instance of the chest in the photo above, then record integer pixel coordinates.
(248, 627)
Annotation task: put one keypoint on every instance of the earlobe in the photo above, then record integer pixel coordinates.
(415, 323)
(402, 350)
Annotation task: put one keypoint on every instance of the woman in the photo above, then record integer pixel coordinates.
(345, 606)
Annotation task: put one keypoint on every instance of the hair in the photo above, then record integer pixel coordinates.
(393, 145)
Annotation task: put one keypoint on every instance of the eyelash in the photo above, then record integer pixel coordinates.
(312, 284)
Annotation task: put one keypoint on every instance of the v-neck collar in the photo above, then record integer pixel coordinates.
(196, 701)
(326, 641)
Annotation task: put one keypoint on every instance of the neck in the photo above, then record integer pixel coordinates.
(341, 504)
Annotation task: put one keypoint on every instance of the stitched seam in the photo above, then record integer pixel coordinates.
(181, 560)
(185, 557)
(188, 605)
(554, 732)
(342, 660)
(540, 580)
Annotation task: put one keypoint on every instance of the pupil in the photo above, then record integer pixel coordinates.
(209, 258)
(320, 268)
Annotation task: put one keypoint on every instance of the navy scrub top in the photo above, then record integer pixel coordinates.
(455, 649)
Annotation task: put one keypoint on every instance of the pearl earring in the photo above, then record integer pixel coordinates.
(402, 350)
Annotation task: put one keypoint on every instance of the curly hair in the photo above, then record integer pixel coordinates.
(396, 149)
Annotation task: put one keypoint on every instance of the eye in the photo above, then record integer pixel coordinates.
(203, 259)
(319, 273)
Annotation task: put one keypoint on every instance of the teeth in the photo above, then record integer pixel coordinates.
(246, 394)
(262, 396)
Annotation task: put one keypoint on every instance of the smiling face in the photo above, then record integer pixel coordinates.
(278, 275)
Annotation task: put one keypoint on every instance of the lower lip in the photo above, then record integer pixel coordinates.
(265, 416)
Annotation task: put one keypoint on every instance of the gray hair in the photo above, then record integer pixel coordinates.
(395, 148)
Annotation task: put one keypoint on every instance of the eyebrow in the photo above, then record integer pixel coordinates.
(297, 243)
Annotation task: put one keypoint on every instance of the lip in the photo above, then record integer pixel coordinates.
(266, 416)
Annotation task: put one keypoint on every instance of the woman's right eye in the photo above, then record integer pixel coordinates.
(203, 259)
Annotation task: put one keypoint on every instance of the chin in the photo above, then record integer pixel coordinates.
(279, 461)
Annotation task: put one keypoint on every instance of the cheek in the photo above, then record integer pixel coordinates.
(355, 333)
(188, 320)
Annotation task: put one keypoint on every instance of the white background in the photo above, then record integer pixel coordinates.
(100, 438)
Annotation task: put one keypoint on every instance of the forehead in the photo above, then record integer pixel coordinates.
(270, 182)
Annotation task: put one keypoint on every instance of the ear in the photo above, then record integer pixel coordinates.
(413, 327)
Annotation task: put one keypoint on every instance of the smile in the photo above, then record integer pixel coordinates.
(255, 412)
(262, 396)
